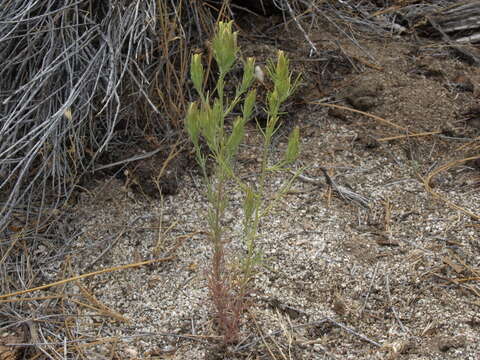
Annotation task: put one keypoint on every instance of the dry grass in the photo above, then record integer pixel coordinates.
(75, 77)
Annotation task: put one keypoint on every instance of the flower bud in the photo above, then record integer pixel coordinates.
(197, 73)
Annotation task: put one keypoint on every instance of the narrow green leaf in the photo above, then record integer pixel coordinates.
(236, 137)
(293, 147)
(217, 114)
(249, 104)
(208, 126)
(248, 74)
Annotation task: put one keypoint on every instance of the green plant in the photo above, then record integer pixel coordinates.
(206, 120)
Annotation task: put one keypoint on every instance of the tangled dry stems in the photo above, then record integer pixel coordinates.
(73, 75)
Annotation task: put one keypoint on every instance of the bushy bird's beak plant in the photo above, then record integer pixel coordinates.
(206, 120)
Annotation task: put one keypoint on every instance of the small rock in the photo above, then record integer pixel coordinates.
(445, 343)
(364, 97)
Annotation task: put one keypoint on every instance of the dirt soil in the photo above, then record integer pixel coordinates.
(397, 279)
